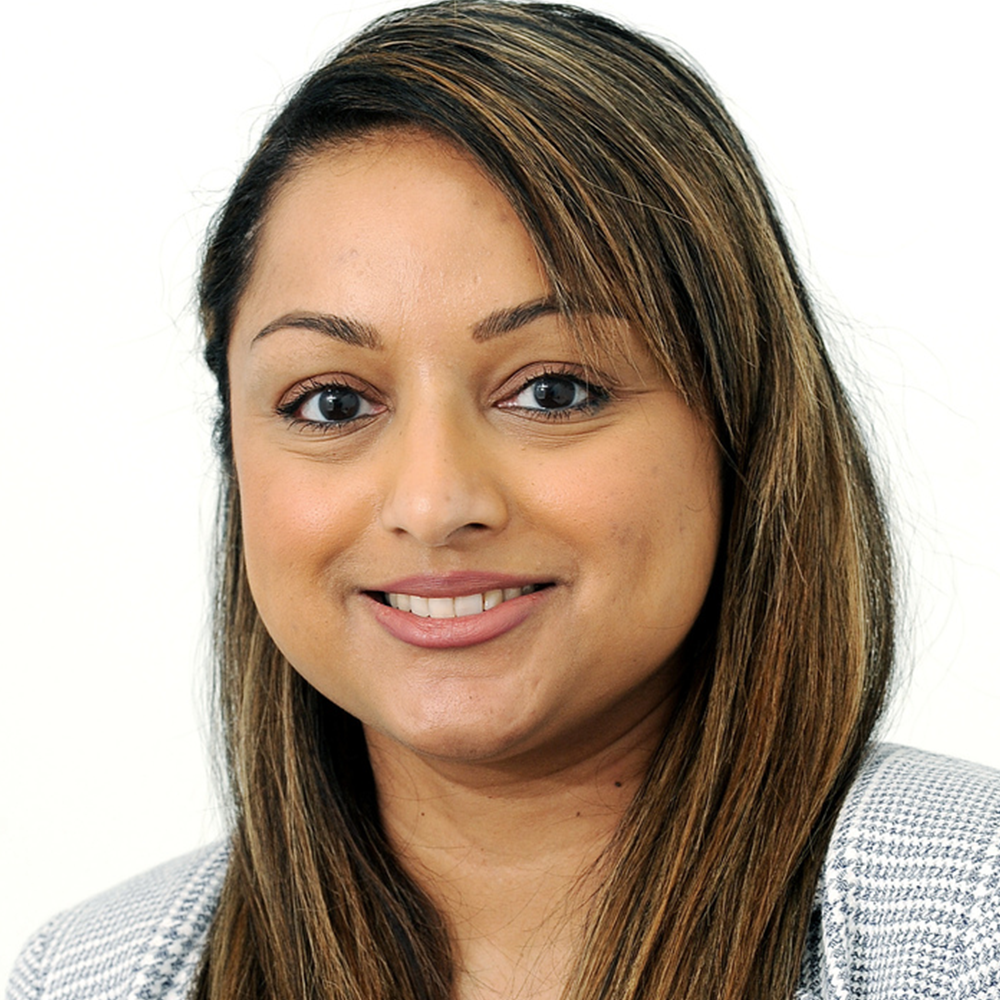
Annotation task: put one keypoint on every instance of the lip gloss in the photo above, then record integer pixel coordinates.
(456, 633)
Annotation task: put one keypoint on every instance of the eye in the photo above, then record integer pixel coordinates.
(329, 405)
(554, 394)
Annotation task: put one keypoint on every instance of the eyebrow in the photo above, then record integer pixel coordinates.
(359, 334)
(350, 331)
(508, 320)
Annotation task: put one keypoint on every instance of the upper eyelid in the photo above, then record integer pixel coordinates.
(530, 373)
(599, 397)
(296, 394)
(294, 397)
(592, 380)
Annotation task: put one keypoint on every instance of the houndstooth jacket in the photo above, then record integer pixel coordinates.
(907, 908)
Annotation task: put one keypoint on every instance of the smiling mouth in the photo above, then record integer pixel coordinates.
(455, 607)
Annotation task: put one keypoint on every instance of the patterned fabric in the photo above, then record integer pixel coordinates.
(907, 908)
(908, 905)
(140, 940)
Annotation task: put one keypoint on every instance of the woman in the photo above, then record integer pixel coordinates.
(555, 613)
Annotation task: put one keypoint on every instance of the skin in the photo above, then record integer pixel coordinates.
(502, 767)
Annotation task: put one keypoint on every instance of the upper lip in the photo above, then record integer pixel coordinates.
(458, 584)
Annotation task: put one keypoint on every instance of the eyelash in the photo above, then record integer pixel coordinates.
(313, 387)
(599, 396)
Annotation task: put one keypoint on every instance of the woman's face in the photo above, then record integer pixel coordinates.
(454, 529)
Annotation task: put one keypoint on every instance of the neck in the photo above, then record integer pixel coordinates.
(509, 852)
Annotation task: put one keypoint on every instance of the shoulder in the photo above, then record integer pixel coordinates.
(908, 905)
(140, 939)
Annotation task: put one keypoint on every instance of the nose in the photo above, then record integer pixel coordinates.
(442, 481)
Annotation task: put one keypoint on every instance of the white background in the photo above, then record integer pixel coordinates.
(123, 126)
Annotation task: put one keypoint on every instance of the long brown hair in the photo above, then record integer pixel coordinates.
(643, 202)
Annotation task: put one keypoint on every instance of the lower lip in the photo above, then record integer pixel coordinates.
(455, 633)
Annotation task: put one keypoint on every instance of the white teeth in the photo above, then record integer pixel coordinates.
(455, 607)
(471, 604)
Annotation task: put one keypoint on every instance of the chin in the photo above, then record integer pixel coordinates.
(464, 740)
(464, 748)
(460, 717)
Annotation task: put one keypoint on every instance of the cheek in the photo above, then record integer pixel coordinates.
(640, 501)
(299, 519)
(650, 524)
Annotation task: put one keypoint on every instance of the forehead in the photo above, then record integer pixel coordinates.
(404, 233)
(397, 217)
